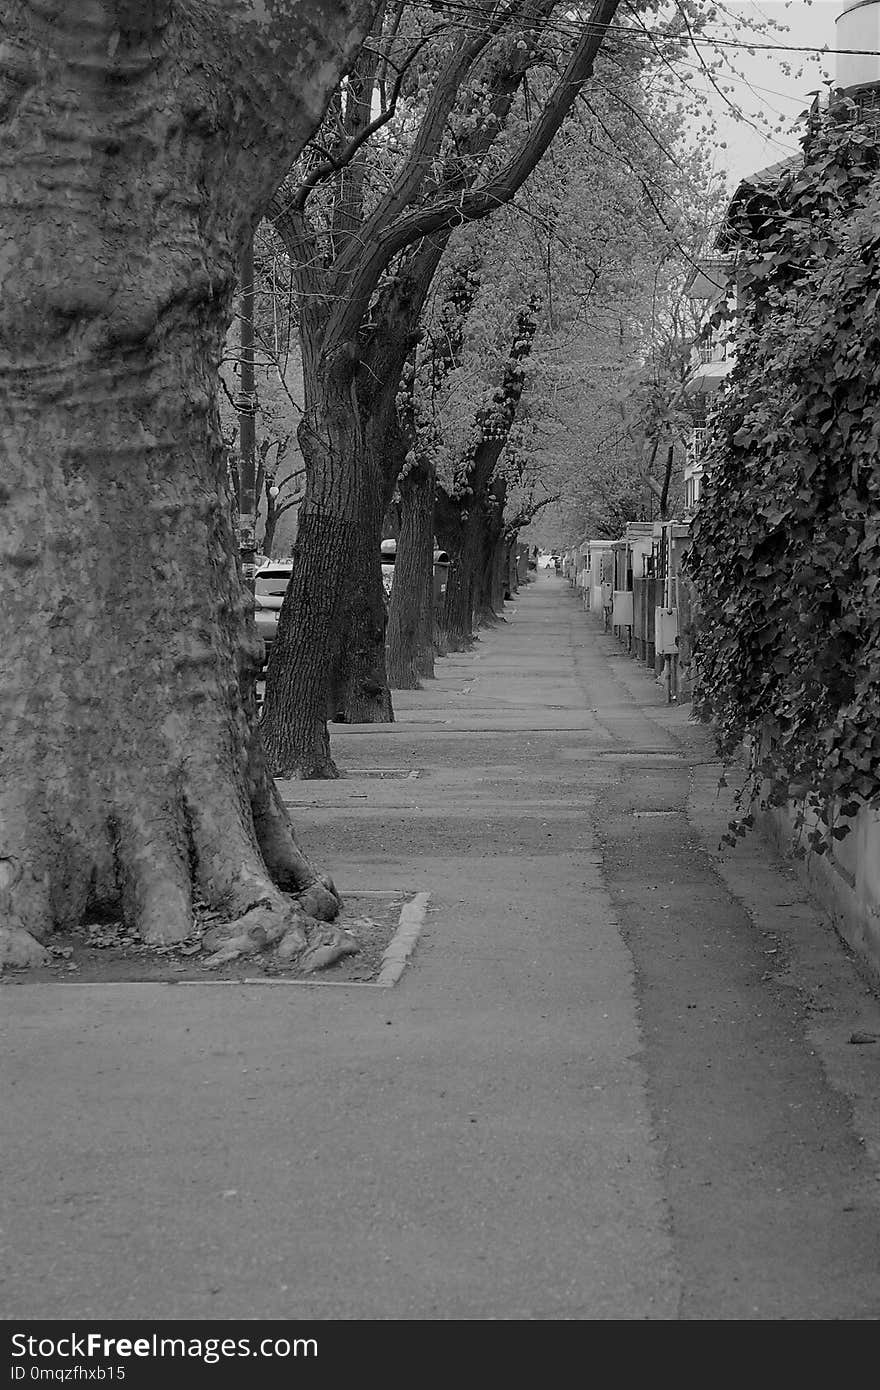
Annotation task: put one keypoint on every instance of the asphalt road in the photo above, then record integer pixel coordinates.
(614, 1082)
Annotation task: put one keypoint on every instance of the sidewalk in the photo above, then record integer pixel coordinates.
(484, 1140)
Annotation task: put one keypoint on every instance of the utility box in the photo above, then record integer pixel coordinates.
(441, 576)
(666, 631)
(622, 608)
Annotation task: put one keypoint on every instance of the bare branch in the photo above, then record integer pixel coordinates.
(334, 163)
(427, 142)
(527, 514)
(388, 241)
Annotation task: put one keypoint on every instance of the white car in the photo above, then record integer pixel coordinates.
(270, 586)
(388, 555)
(441, 569)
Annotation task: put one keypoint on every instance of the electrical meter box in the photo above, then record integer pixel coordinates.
(666, 631)
(622, 608)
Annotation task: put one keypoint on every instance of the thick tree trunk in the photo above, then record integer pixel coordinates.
(458, 531)
(328, 658)
(489, 590)
(411, 609)
(131, 770)
(360, 691)
(511, 578)
(500, 549)
(499, 572)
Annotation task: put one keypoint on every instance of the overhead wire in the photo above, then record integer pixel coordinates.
(570, 30)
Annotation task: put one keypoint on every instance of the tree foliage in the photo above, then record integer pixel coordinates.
(786, 545)
(613, 218)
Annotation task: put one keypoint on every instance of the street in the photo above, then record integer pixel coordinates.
(615, 1081)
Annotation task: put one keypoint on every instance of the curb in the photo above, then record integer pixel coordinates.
(394, 960)
(410, 923)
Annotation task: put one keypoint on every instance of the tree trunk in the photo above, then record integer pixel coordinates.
(272, 518)
(489, 588)
(131, 772)
(499, 572)
(328, 657)
(458, 531)
(360, 691)
(511, 577)
(411, 609)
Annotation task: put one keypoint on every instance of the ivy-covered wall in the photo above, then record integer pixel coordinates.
(785, 554)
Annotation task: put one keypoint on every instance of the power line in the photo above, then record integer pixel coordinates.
(639, 32)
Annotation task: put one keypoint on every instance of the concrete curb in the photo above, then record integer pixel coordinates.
(394, 959)
(410, 923)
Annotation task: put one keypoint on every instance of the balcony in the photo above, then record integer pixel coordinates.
(696, 448)
(711, 351)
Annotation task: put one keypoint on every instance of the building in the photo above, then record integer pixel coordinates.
(713, 282)
(857, 32)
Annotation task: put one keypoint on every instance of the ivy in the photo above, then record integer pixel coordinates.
(785, 556)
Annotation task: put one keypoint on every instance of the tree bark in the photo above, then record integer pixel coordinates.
(490, 587)
(327, 659)
(411, 609)
(511, 578)
(136, 154)
(353, 451)
(458, 531)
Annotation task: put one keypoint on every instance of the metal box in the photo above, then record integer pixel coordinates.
(666, 631)
(622, 608)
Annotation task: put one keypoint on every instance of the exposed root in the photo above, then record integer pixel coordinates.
(321, 900)
(291, 936)
(326, 945)
(285, 861)
(18, 949)
(209, 834)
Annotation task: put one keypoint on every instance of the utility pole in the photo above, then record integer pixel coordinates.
(246, 406)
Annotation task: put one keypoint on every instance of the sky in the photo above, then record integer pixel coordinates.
(770, 96)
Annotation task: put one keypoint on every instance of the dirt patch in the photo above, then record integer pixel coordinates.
(106, 953)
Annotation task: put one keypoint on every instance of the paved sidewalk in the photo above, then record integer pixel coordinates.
(482, 1140)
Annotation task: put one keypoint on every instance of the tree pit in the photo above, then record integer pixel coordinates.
(348, 951)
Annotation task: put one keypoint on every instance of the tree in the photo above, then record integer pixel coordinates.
(468, 513)
(593, 238)
(140, 144)
(608, 390)
(365, 260)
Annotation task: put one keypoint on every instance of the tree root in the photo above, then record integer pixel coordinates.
(290, 934)
(184, 833)
(286, 934)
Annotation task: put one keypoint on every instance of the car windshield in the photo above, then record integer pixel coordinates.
(272, 582)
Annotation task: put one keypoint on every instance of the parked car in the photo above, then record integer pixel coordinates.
(441, 569)
(270, 586)
(388, 550)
